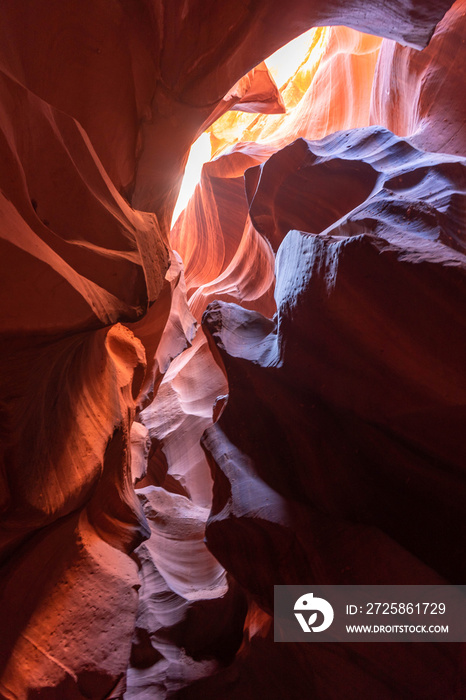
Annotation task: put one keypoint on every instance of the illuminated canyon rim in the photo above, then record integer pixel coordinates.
(264, 387)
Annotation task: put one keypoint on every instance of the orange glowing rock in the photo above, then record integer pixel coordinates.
(208, 233)
(68, 607)
(249, 519)
(258, 94)
(330, 90)
(100, 102)
(255, 92)
(166, 330)
(427, 88)
(71, 230)
(71, 515)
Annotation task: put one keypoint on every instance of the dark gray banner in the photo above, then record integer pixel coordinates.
(370, 614)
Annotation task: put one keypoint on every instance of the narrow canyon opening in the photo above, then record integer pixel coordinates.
(249, 378)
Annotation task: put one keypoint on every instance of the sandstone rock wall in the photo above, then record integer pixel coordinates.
(330, 357)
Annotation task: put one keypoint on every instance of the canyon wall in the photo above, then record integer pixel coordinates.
(271, 392)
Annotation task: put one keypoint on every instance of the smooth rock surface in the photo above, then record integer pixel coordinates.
(344, 408)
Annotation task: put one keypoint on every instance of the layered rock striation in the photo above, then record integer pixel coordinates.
(310, 427)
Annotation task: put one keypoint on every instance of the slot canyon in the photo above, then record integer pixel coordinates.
(266, 388)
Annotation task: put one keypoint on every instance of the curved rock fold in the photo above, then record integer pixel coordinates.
(271, 392)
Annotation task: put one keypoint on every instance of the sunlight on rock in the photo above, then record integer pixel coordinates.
(199, 154)
(284, 63)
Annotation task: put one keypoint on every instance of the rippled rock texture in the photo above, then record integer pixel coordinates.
(354, 363)
(310, 428)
